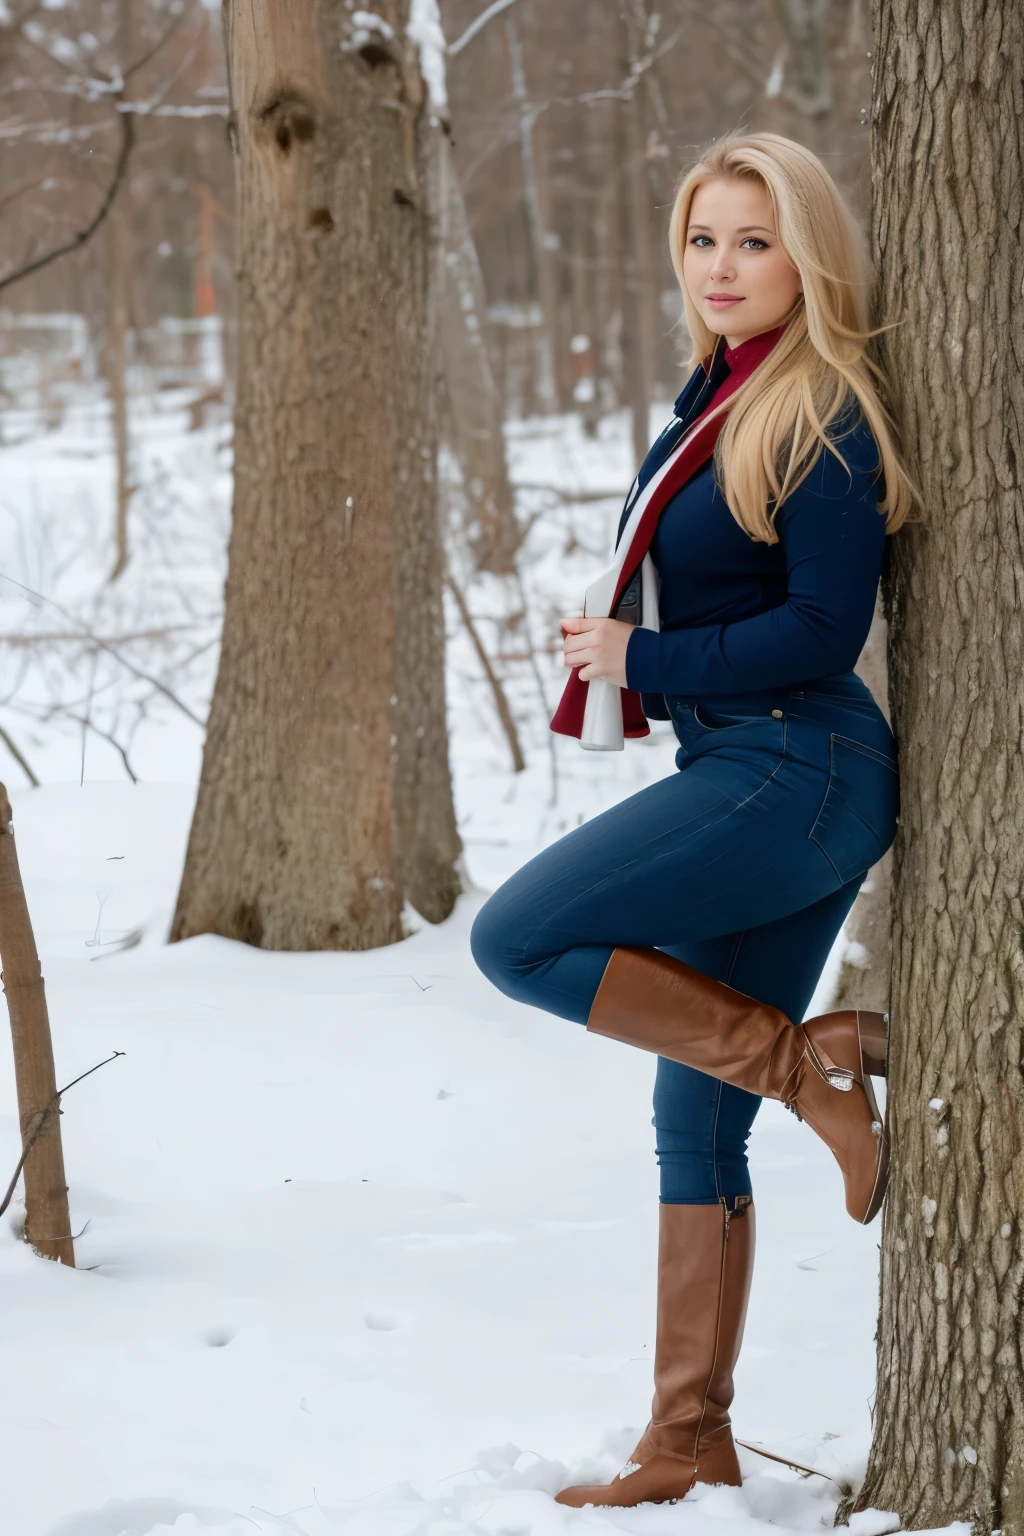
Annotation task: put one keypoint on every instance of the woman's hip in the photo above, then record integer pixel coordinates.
(825, 749)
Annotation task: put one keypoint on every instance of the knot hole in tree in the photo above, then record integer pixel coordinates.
(377, 52)
(289, 118)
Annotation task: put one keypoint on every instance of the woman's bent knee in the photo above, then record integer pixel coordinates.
(495, 947)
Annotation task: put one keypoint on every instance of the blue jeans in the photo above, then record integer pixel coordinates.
(744, 864)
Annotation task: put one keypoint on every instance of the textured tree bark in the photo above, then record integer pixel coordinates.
(47, 1222)
(325, 797)
(948, 172)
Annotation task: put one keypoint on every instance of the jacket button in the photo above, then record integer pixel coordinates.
(776, 714)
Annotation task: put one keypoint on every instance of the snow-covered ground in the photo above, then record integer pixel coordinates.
(365, 1246)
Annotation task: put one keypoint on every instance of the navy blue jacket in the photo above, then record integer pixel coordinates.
(739, 616)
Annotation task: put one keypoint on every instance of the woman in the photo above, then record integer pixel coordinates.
(694, 919)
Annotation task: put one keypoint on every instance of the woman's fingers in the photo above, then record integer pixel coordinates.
(597, 647)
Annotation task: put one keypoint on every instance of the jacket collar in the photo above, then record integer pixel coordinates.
(722, 361)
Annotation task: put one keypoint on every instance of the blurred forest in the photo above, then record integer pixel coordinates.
(570, 125)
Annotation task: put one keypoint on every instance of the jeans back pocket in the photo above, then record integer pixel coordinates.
(857, 819)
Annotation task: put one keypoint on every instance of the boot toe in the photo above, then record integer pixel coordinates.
(661, 1480)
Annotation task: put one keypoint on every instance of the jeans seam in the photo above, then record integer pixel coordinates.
(738, 806)
(733, 807)
(714, 1142)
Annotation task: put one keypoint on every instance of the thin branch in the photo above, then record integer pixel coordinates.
(88, 724)
(477, 26)
(44, 1115)
(55, 637)
(501, 704)
(18, 758)
(77, 241)
(137, 672)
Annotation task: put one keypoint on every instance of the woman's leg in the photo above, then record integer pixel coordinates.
(714, 849)
(701, 1123)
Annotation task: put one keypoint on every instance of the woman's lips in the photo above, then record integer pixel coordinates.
(723, 300)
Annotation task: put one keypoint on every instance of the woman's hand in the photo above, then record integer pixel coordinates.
(597, 647)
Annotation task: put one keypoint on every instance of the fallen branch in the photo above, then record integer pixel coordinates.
(787, 1461)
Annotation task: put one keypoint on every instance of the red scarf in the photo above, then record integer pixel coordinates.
(742, 360)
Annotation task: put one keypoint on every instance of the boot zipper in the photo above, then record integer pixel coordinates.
(718, 1325)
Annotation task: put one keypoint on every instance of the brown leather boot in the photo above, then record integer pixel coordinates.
(819, 1070)
(705, 1261)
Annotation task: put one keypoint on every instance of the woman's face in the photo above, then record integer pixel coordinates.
(737, 275)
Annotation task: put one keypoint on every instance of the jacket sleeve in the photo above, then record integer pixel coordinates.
(833, 539)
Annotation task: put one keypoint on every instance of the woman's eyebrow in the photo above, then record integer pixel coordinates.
(743, 230)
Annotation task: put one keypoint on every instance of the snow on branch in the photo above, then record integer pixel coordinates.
(426, 32)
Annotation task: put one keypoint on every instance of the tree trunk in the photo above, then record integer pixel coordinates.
(947, 171)
(325, 797)
(475, 405)
(47, 1221)
(119, 280)
(637, 278)
(543, 241)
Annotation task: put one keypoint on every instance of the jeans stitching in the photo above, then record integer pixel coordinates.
(714, 1141)
(868, 752)
(590, 889)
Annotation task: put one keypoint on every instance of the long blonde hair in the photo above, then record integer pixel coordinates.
(775, 427)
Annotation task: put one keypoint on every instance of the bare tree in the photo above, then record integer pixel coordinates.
(47, 1221)
(948, 167)
(325, 799)
(475, 405)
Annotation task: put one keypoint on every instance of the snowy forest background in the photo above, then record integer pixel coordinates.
(361, 1244)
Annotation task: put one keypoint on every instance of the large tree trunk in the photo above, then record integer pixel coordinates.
(325, 797)
(948, 168)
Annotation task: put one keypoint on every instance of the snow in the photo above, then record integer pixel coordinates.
(426, 32)
(364, 1246)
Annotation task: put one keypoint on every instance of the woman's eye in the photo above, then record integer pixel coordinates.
(761, 245)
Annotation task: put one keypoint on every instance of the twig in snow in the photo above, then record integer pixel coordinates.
(787, 1461)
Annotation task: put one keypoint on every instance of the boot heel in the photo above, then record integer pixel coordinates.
(873, 1031)
(717, 1461)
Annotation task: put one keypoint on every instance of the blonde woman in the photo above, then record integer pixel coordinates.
(693, 919)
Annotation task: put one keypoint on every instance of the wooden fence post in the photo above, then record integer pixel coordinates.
(48, 1221)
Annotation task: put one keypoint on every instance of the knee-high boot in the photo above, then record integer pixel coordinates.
(705, 1261)
(820, 1069)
